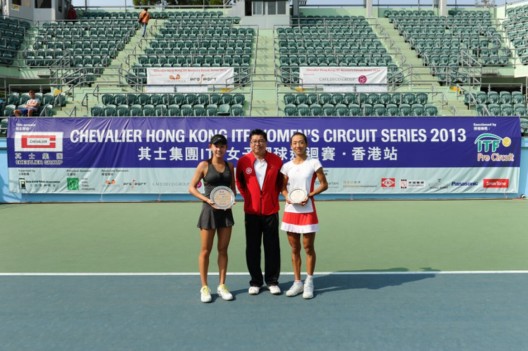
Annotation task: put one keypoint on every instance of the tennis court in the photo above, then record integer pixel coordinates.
(391, 275)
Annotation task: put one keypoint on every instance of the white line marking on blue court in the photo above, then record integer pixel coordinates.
(116, 274)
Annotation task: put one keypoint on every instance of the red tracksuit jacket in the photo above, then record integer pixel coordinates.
(257, 202)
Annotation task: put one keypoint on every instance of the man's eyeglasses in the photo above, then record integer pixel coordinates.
(260, 141)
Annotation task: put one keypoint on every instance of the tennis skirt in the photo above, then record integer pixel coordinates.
(300, 223)
(211, 218)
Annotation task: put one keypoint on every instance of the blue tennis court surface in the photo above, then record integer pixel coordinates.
(426, 311)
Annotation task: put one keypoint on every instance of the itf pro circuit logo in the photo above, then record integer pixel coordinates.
(488, 145)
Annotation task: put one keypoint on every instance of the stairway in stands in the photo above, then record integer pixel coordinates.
(264, 97)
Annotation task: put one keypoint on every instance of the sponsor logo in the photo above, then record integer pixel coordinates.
(171, 184)
(249, 170)
(407, 183)
(72, 183)
(356, 184)
(134, 184)
(362, 79)
(438, 185)
(468, 184)
(38, 141)
(496, 183)
(388, 182)
(490, 143)
(76, 184)
(41, 184)
(333, 184)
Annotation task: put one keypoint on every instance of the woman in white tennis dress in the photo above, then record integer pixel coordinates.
(300, 215)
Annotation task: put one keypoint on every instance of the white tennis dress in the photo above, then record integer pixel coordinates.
(297, 218)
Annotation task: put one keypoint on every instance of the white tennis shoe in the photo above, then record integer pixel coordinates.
(308, 289)
(205, 294)
(224, 292)
(295, 289)
(253, 290)
(274, 289)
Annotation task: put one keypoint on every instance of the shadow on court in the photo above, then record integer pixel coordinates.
(355, 280)
(373, 280)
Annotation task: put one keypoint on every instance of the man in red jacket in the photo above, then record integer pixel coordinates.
(259, 181)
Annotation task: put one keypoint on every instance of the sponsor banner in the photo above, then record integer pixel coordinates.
(101, 180)
(340, 180)
(360, 155)
(190, 76)
(361, 78)
(422, 180)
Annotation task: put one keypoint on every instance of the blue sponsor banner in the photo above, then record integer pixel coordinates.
(337, 142)
(360, 155)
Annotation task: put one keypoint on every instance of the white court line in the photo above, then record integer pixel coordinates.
(244, 273)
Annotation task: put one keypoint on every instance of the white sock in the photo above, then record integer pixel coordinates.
(309, 277)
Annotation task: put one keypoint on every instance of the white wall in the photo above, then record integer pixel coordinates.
(28, 11)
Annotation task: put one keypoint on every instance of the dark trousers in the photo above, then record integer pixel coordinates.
(263, 229)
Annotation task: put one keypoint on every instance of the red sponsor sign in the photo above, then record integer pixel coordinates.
(388, 182)
(38, 141)
(496, 183)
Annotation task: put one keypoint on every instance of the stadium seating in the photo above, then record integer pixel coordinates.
(502, 103)
(330, 41)
(190, 38)
(440, 41)
(197, 40)
(83, 48)
(362, 104)
(174, 105)
(516, 29)
(12, 34)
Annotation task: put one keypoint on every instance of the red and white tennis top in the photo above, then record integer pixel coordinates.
(297, 218)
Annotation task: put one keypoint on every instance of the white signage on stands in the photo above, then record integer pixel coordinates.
(201, 76)
(345, 78)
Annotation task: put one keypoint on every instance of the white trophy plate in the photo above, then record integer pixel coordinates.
(223, 197)
(297, 196)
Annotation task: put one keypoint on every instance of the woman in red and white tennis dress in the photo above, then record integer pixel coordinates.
(300, 215)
